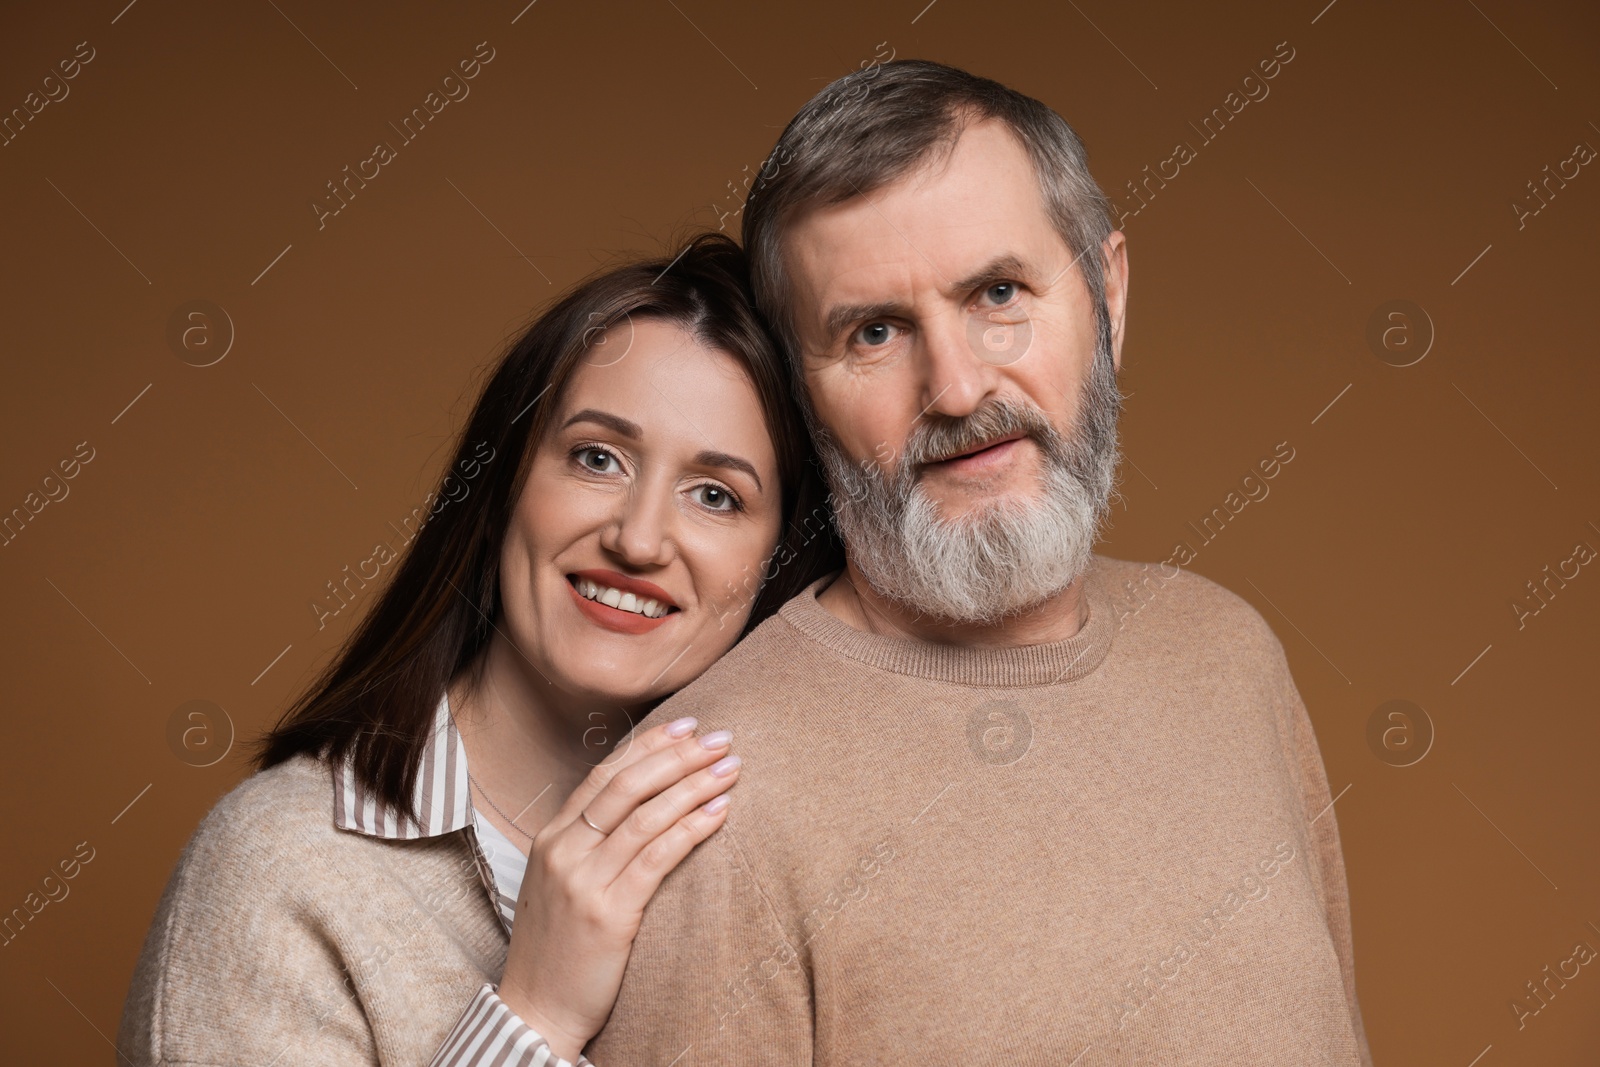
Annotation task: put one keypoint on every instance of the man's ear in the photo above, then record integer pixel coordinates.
(1114, 257)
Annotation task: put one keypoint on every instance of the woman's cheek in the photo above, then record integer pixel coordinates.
(726, 572)
(732, 606)
(556, 512)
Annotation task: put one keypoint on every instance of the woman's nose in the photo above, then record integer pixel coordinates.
(640, 532)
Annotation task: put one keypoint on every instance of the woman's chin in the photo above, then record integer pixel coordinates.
(618, 683)
(627, 668)
(624, 696)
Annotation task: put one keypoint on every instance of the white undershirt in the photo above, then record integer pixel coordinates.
(506, 861)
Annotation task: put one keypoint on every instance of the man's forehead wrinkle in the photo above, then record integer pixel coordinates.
(890, 223)
(882, 282)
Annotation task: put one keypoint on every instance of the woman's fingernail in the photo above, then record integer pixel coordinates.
(715, 804)
(725, 766)
(720, 739)
(683, 727)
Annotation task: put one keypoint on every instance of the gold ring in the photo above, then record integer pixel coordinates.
(584, 815)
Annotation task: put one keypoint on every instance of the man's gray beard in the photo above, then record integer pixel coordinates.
(1006, 557)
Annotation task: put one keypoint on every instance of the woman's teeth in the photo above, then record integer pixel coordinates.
(616, 598)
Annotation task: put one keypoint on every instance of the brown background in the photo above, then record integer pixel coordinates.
(1388, 555)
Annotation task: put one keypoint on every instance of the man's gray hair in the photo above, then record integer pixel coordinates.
(873, 126)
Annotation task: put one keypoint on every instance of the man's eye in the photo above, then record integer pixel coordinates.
(874, 334)
(1002, 292)
(717, 498)
(596, 459)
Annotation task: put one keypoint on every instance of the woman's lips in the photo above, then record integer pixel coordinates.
(637, 586)
(610, 618)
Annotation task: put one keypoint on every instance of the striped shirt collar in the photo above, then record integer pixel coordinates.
(441, 796)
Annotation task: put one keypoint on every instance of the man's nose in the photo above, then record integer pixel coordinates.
(954, 380)
(640, 533)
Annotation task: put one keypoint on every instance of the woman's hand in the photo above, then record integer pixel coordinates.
(585, 889)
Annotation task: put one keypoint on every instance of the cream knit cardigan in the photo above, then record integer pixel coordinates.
(281, 939)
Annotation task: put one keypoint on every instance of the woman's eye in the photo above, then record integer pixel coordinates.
(716, 498)
(596, 459)
(873, 334)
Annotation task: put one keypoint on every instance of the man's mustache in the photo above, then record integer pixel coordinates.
(942, 437)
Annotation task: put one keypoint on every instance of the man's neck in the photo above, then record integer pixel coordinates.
(851, 599)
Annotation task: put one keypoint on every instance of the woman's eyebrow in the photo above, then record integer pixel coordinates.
(608, 420)
(711, 458)
(633, 431)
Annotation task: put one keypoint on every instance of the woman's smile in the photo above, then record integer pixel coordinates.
(619, 603)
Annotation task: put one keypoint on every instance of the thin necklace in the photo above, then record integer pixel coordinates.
(513, 823)
(485, 793)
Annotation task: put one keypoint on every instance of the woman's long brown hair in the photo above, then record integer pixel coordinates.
(376, 701)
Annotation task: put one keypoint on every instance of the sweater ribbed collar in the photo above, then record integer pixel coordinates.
(1057, 662)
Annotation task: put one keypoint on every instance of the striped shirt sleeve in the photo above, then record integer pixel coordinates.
(490, 1034)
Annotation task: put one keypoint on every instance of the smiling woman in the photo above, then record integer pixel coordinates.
(656, 483)
(364, 897)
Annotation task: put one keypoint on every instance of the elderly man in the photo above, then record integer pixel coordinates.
(989, 813)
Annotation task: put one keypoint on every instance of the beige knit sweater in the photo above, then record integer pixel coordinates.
(281, 939)
(1116, 849)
